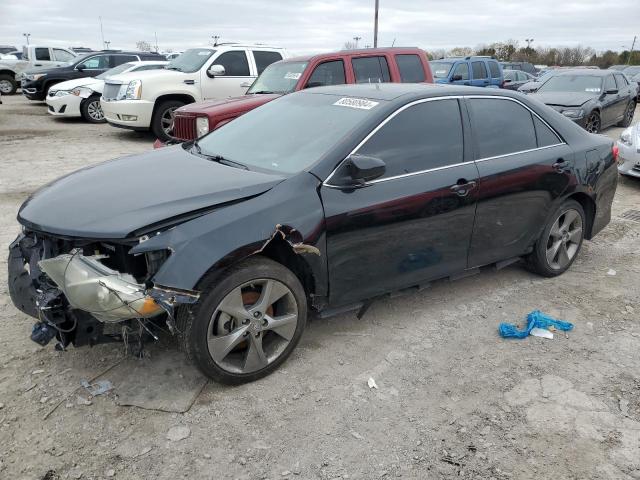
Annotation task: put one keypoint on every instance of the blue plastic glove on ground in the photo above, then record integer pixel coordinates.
(534, 319)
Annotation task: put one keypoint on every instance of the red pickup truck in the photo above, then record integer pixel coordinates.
(407, 65)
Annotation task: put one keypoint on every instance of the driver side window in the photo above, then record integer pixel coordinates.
(97, 62)
(609, 83)
(327, 73)
(462, 69)
(235, 63)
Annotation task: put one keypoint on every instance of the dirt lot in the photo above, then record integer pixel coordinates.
(454, 400)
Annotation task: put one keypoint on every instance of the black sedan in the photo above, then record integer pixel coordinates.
(514, 79)
(594, 99)
(322, 200)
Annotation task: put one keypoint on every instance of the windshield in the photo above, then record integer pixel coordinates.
(191, 60)
(440, 69)
(115, 70)
(278, 77)
(289, 134)
(572, 83)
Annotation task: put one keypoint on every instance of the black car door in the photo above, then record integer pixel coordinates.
(93, 66)
(412, 224)
(524, 166)
(611, 102)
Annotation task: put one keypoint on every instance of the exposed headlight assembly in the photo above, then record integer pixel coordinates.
(573, 113)
(35, 76)
(202, 126)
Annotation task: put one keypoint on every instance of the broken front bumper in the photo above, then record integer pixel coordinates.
(74, 295)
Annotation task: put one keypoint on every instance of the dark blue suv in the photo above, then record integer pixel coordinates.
(474, 71)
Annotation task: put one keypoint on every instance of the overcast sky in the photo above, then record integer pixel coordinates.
(305, 26)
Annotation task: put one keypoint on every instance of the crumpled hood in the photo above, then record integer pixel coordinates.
(115, 198)
(564, 99)
(77, 82)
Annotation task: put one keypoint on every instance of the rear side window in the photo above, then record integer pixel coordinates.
(371, 70)
(544, 134)
(411, 70)
(327, 73)
(235, 63)
(501, 127)
(494, 69)
(264, 59)
(42, 54)
(424, 136)
(62, 55)
(462, 69)
(120, 59)
(479, 70)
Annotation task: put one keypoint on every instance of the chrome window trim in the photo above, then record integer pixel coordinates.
(444, 167)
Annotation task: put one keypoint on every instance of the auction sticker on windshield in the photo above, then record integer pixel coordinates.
(293, 75)
(360, 103)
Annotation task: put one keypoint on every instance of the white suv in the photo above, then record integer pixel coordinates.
(147, 100)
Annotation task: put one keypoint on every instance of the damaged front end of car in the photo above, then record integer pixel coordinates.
(86, 292)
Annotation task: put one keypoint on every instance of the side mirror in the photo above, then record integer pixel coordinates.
(456, 78)
(80, 68)
(357, 170)
(216, 71)
(611, 91)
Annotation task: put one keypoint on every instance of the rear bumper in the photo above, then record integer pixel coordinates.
(65, 106)
(132, 114)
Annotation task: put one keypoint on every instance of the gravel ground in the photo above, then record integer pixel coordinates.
(454, 400)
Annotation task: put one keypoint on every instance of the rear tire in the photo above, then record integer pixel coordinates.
(91, 110)
(8, 84)
(162, 120)
(628, 115)
(560, 241)
(223, 343)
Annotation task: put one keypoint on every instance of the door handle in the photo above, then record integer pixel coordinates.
(462, 187)
(560, 166)
(245, 85)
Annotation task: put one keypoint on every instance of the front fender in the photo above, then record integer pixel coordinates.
(291, 211)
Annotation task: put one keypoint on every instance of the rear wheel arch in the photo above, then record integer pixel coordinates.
(589, 207)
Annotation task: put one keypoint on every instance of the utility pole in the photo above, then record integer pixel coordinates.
(215, 39)
(529, 42)
(356, 39)
(156, 34)
(628, 59)
(106, 44)
(375, 26)
(101, 32)
(27, 35)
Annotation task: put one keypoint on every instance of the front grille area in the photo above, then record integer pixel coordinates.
(110, 91)
(184, 128)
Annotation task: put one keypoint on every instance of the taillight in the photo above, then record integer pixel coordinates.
(614, 151)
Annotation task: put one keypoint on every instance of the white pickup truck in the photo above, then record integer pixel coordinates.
(32, 56)
(148, 100)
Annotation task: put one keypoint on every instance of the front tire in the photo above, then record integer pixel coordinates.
(560, 241)
(162, 120)
(593, 122)
(91, 110)
(247, 321)
(8, 84)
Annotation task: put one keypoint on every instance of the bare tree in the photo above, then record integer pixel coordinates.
(143, 46)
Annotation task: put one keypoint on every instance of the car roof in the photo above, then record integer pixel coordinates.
(355, 52)
(148, 62)
(586, 72)
(467, 57)
(408, 91)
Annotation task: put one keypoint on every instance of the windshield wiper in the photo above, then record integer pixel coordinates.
(218, 158)
(178, 69)
(266, 92)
